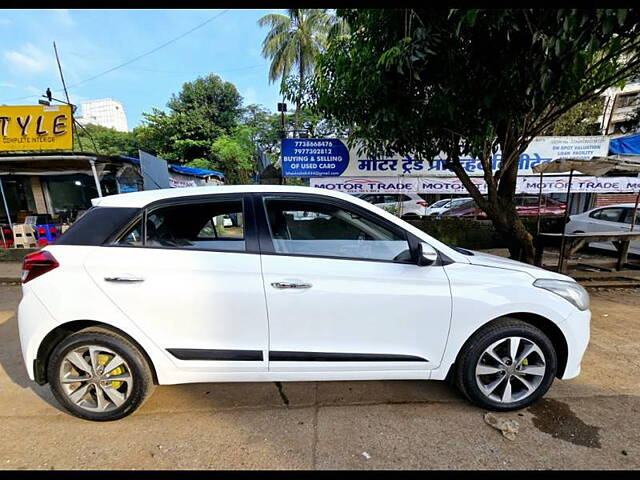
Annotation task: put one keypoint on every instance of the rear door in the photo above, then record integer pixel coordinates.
(606, 220)
(188, 274)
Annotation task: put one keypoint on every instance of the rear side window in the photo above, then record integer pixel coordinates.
(217, 225)
(608, 214)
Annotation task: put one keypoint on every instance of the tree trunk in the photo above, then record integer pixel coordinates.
(510, 226)
(500, 207)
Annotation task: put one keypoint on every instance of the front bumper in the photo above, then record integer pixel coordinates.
(577, 330)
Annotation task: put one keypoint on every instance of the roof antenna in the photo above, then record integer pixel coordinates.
(64, 85)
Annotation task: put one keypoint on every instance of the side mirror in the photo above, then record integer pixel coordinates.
(426, 254)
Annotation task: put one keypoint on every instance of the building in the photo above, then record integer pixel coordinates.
(105, 112)
(621, 110)
(63, 184)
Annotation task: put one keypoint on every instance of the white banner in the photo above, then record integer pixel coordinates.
(454, 186)
(540, 150)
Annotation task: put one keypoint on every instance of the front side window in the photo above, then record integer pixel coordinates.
(318, 229)
(217, 225)
(629, 216)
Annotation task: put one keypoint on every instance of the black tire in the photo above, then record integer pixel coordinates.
(465, 372)
(139, 369)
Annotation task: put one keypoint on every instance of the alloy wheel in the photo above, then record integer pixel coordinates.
(96, 378)
(510, 369)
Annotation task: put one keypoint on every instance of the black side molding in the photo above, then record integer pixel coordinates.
(206, 354)
(340, 357)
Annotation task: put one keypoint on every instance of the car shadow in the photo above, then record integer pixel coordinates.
(12, 362)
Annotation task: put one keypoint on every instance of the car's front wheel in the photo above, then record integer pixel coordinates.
(99, 375)
(507, 365)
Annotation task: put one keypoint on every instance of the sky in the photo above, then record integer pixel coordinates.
(91, 42)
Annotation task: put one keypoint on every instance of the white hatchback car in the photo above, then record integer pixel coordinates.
(612, 218)
(156, 288)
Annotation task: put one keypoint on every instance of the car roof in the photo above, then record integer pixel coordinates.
(626, 205)
(141, 199)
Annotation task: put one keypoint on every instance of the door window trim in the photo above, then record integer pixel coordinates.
(264, 232)
(249, 233)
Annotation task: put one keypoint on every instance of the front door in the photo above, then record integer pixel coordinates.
(342, 292)
(194, 285)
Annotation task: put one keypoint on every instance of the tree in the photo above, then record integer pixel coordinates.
(105, 141)
(579, 120)
(294, 41)
(204, 110)
(235, 155)
(467, 82)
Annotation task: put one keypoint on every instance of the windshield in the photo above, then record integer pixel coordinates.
(440, 203)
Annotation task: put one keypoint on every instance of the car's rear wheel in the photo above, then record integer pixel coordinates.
(507, 365)
(99, 375)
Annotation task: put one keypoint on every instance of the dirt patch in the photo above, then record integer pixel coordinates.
(557, 419)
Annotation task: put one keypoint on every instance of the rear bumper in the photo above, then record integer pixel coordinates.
(577, 331)
(34, 322)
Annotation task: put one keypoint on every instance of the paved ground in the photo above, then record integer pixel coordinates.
(587, 423)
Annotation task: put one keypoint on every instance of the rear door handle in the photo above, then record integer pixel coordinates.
(285, 285)
(124, 279)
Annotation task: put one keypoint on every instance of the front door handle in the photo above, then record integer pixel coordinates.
(285, 285)
(124, 279)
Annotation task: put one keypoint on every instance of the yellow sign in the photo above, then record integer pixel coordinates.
(34, 127)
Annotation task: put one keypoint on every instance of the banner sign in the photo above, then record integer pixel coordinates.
(37, 127)
(330, 158)
(450, 186)
(309, 157)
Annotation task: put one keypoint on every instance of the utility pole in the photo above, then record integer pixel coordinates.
(64, 85)
(282, 107)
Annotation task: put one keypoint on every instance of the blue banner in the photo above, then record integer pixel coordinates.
(314, 157)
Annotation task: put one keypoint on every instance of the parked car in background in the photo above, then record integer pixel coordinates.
(408, 205)
(612, 218)
(526, 205)
(143, 291)
(442, 206)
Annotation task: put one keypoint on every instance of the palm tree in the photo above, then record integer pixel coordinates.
(294, 40)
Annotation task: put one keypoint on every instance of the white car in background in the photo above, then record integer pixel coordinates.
(612, 218)
(442, 206)
(409, 205)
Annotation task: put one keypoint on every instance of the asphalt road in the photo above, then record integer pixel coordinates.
(590, 422)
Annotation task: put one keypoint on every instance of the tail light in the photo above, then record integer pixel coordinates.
(52, 230)
(42, 231)
(36, 264)
(423, 204)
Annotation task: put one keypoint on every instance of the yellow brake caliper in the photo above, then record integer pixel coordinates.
(103, 359)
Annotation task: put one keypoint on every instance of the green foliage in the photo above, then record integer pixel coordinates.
(200, 163)
(425, 81)
(295, 40)
(105, 141)
(581, 119)
(204, 110)
(235, 155)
